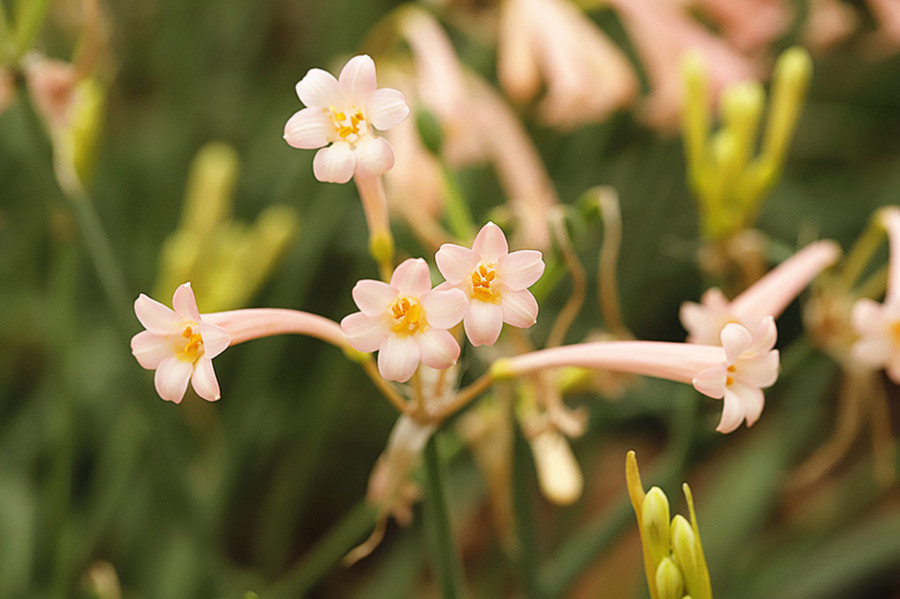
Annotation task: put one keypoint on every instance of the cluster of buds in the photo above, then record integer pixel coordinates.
(673, 555)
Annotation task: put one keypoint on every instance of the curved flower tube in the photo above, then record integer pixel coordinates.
(406, 321)
(340, 117)
(769, 296)
(181, 343)
(495, 282)
(736, 372)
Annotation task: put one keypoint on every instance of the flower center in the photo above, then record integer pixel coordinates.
(189, 347)
(485, 284)
(408, 316)
(347, 128)
(729, 380)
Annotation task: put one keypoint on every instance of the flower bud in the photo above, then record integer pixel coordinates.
(558, 472)
(655, 524)
(669, 582)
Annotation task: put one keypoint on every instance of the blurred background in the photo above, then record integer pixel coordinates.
(108, 491)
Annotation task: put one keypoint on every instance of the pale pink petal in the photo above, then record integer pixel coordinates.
(357, 78)
(732, 413)
(308, 128)
(334, 164)
(204, 380)
(215, 339)
(702, 327)
(373, 297)
(483, 323)
(736, 339)
(711, 381)
(398, 358)
(715, 299)
(444, 308)
(873, 351)
(520, 309)
(156, 317)
(171, 378)
(455, 262)
(364, 333)
(752, 400)
(438, 348)
(412, 277)
(490, 243)
(374, 156)
(185, 304)
(760, 371)
(521, 269)
(150, 349)
(386, 108)
(765, 335)
(868, 317)
(318, 88)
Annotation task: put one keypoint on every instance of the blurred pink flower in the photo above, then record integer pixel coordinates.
(887, 13)
(341, 114)
(828, 22)
(179, 344)
(736, 372)
(406, 321)
(748, 24)
(662, 36)
(51, 86)
(495, 282)
(878, 325)
(586, 75)
(769, 296)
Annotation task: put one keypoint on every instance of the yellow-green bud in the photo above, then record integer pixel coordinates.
(500, 370)
(210, 188)
(669, 582)
(381, 248)
(685, 550)
(655, 524)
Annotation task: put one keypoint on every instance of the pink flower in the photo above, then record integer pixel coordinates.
(179, 345)
(750, 366)
(769, 296)
(736, 372)
(878, 325)
(495, 282)
(344, 112)
(406, 321)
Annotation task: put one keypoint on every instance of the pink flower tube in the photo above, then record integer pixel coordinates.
(735, 372)
(180, 344)
(767, 297)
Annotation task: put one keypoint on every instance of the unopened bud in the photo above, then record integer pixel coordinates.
(655, 524)
(558, 472)
(669, 582)
(210, 188)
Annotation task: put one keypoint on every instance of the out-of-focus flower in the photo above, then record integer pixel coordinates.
(586, 75)
(878, 325)
(51, 85)
(748, 24)
(769, 296)
(828, 22)
(737, 371)
(495, 282)
(674, 562)
(558, 471)
(341, 114)
(887, 13)
(662, 36)
(179, 344)
(477, 126)
(406, 321)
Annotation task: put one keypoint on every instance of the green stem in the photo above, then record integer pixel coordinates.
(446, 559)
(525, 549)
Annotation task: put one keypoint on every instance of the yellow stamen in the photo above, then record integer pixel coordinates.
(485, 284)
(408, 316)
(192, 348)
(729, 381)
(344, 127)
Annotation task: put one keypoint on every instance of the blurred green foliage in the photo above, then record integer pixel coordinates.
(261, 491)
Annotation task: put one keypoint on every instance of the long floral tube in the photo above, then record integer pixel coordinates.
(255, 323)
(736, 371)
(675, 361)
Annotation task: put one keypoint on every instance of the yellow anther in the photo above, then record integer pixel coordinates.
(408, 316)
(193, 345)
(729, 381)
(895, 332)
(731, 368)
(483, 287)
